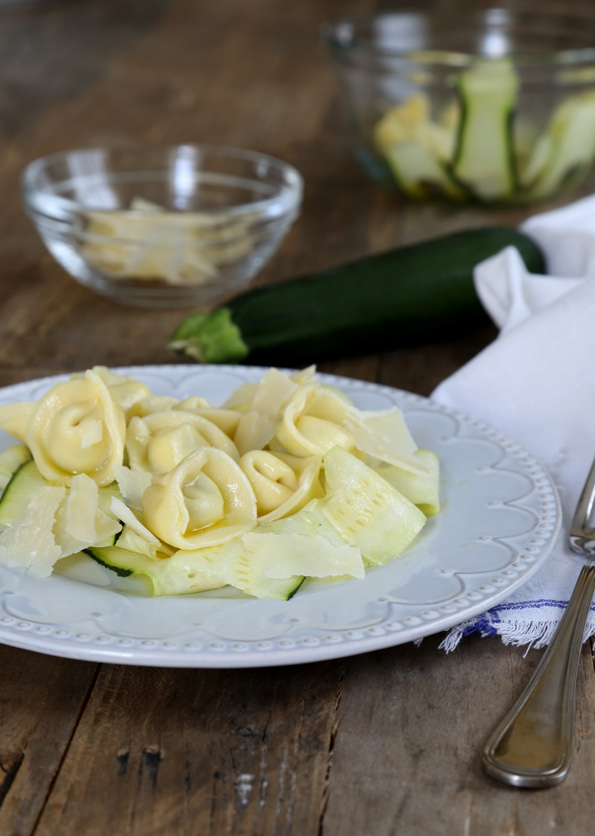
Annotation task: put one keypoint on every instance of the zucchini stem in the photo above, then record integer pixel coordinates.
(210, 337)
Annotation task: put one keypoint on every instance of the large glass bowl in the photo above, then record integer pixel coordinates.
(490, 106)
(169, 227)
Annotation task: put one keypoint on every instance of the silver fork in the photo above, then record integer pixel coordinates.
(532, 745)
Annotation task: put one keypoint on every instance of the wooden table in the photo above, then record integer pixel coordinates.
(382, 743)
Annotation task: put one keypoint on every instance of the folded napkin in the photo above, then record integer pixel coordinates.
(536, 383)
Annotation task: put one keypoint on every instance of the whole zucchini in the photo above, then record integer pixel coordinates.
(415, 294)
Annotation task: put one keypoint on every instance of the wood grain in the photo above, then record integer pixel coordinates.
(386, 743)
(413, 765)
(198, 752)
(42, 699)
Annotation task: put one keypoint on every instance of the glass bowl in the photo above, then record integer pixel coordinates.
(489, 106)
(168, 227)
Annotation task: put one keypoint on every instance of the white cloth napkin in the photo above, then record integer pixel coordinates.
(536, 383)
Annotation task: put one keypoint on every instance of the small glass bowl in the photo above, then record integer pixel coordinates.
(187, 225)
(484, 106)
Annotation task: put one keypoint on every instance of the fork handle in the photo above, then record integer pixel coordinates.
(532, 745)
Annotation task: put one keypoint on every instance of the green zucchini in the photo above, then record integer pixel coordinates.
(420, 173)
(484, 159)
(10, 461)
(15, 501)
(565, 152)
(415, 294)
(121, 561)
(422, 489)
(196, 571)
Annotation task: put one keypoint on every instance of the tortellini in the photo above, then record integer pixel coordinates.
(204, 501)
(313, 422)
(152, 403)
(117, 466)
(75, 428)
(272, 480)
(226, 419)
(126, 391)
(281, 487)
(14, 417)
(160, 441)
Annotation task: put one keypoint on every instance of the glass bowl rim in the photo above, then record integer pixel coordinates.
(289, 192)
(330, 35)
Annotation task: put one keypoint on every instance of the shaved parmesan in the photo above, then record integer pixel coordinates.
(385, 436)
(132, 484)
(80, 522)
(124, 513)
(29, 542)
(254, 432)
(273, 392)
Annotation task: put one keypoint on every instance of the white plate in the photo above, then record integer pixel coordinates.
(499, 521)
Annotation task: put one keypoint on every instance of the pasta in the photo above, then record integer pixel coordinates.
(14, 418)
(286, 480)
(77, 427)
(279, 488)
(313, 422)
(204, 501)
(126, 391)
(161, 440)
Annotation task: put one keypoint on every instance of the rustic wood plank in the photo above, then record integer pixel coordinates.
(406, 755)
(129, 91)
(206, 752)
(42, 698)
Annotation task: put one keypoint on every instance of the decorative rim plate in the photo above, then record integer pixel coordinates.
(499, 521)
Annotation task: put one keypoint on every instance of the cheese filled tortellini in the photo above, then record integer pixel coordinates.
(286, 480)
(282, 484)
(14, 418)
(125, 390)
(160, 441)
(313, 422)
(204, 501)
(226, 419)
(77, 427)
(152, 403)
